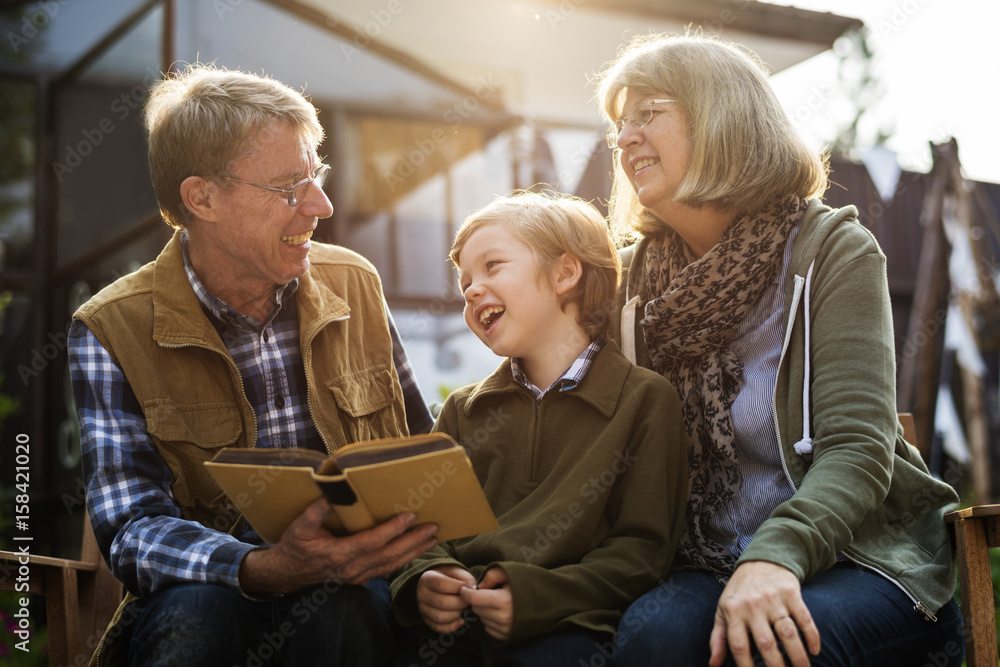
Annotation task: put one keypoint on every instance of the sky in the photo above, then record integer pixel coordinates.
(939, 64)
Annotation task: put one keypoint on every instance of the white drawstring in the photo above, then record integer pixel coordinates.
(628, 329)
(804, 446)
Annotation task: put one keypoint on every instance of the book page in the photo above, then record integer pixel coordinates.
(377, 451)
(304, 458)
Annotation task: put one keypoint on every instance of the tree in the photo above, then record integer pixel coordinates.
(860, 89)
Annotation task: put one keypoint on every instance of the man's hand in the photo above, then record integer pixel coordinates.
(438, 599)
(761, 600)
(308, 554)
(493, 602)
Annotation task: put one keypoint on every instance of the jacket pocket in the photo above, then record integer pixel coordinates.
(363, 398)
(186, 436)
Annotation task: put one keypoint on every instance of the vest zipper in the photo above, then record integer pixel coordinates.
(246, 402)
(102, 657)
(233, 367)
(306, 360)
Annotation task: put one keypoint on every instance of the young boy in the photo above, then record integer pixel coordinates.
(580, 453)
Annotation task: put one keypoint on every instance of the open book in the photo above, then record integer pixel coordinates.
(366, 484)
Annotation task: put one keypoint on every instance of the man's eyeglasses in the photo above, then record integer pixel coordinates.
(646, 112)
(298, 191)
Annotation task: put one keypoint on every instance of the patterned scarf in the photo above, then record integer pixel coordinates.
(688, 329)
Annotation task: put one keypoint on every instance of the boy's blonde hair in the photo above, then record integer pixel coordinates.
(744, 149)
(552, 226)
(199, 119)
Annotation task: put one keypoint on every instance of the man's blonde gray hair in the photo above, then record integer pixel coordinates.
(744, 150)
(198, 122)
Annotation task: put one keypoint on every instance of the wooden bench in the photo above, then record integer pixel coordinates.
(81, 596)
(975, 530)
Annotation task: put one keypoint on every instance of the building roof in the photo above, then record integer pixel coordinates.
(542, 54)
(534, 58)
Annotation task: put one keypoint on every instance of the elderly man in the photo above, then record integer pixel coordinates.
(242, 333)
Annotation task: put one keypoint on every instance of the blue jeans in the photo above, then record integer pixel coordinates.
(204, 624)
(864, 620)
(469, 646)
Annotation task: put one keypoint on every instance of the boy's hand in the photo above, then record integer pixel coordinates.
(438, 599)
(493, 602)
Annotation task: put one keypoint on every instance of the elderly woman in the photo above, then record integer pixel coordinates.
(813, 531)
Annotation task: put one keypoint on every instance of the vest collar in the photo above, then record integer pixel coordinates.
(317, 304)
(179, 320)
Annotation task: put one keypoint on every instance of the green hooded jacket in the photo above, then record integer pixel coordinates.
(860, 489)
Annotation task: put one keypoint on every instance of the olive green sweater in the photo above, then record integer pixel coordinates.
(863, 491)
(589, 487)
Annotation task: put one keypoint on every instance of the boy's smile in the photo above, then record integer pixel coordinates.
(488, 316)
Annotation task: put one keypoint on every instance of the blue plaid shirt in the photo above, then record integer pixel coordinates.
(568, 380)
(129, 494)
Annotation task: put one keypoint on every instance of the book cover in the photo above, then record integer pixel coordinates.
(366, 483)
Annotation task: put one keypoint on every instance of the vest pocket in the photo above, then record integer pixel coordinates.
(362, 397)
(186, 436)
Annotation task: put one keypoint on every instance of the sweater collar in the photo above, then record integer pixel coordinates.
(568, 380)
(601, 387)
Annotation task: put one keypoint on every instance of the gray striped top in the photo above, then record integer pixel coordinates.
(765, 486)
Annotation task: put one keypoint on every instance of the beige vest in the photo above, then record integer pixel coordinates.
(191, 392)
(190, 389)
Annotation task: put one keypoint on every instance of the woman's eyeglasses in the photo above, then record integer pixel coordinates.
(646, 112)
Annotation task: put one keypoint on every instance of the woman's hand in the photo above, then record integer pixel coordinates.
(438, 599)
(493, 602)
(760, 601)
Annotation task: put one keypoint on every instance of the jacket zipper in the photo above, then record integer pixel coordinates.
(796, 295)
(917, 604)
(533, 451)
